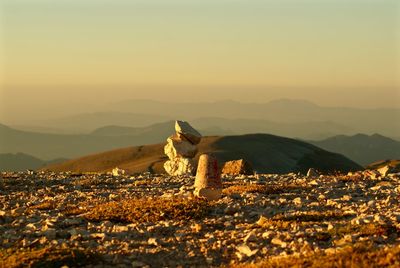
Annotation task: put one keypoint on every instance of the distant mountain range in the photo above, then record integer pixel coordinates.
(369, 121)
(267, 153)
(51, 146)
(292, 118)
(362, 148)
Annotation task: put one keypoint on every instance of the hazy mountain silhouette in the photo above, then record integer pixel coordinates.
(22, 162)
(19, 162)
(87, 122)
(292, 118)
(384, 121)
(362, 148)
(306, 130)
(158, 131)
(221, 126)
(267, 153)
(51, 146)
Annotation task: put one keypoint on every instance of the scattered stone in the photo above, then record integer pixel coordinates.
(153, 242)
(245, 250)
(386, 170)
(116, 172)
(311, 173)
(301, 216)
(251, 237)
(297, 201)
(278, 242)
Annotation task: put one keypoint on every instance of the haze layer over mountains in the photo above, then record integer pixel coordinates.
(362, 135)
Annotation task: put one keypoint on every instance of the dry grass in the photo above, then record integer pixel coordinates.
(248, 188)
(72, 210)
(369, 229)
(312, 216)
(284, 221)
(46, 205)
(46, 257)
(270, 189)
(149, 210)
(357, 256)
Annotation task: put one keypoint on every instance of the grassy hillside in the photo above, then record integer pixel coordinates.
(267, 153)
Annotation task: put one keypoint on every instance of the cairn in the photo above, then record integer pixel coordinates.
(208, 182)
(181, 149)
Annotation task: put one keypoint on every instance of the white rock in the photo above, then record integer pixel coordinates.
(278, 242)
(179, 148)
(152, 242)
(185, 130)
(179, 167)
(245, 250)
(209, 193)
(297, 201)
(312, 173)
(251, 237)
(118, 172)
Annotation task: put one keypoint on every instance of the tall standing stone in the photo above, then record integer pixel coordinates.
(208, 182)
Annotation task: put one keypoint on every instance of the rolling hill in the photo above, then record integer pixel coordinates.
(267, 153)
(361, 148)
(49, 146)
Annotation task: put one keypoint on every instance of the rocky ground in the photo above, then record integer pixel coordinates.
(99, 220)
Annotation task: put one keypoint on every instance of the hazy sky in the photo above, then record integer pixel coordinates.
(333, 52)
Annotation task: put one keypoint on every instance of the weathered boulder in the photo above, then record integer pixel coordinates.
(208, 182)
(176, 147)
(185, 131)
(237, 167)
(179, 167)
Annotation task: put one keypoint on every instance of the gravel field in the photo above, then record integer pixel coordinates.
(97, 220)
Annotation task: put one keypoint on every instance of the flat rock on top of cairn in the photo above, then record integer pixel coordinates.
(208, 182)
(184, 129)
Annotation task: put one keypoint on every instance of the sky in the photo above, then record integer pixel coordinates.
(63, 53)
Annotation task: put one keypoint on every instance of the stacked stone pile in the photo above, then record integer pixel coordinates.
(181, 149)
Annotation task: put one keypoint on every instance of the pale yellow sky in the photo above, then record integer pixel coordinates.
(328, 51)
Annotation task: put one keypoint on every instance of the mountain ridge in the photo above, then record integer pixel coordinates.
(267, 153)
(361, 148)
